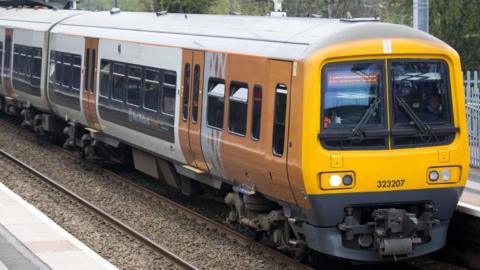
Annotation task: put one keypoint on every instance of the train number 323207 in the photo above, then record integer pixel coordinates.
(390, 183)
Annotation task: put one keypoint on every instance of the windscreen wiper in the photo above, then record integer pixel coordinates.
(358, 129)
(425, 129)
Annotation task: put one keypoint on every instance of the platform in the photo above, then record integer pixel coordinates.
(470, 200)
(29, 240)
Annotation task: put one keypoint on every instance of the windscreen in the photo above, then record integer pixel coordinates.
(349, 91)
(359, 110)
(424, 88)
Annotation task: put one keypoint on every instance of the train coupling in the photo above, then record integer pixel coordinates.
(391, 232)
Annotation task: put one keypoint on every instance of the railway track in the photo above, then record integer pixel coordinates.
(213, 225)
(104, 215)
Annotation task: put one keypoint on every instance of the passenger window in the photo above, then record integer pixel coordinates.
(186, 91)
(77, 72)
(24, 63)
(87, 68)
(196, 89)
(215, 103)
(237, 115)
(16, 60)
(279, 120)
(151, 89)
(67, 71)
(36, 67)
(92, 74)
(169, 93)
(105, 78)
(58, 69)
(119, 82)
(52, 69)
(134, 85)
(256, 112)
(28, 63)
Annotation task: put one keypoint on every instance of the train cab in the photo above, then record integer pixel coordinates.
(385, 143)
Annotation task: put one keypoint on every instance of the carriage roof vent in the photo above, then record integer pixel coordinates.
(354, 20)
(115, 10)
(161, 13)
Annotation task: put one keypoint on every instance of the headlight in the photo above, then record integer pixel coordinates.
(433, 176)
(335, 180)
(347, 180)
(447, 175)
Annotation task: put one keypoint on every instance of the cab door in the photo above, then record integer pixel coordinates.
(191, 118)
(89, 93)
(280, 87)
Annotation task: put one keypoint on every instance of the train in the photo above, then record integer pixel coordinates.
(344, 137)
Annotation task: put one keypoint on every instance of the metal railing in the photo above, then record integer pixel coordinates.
(472, 103)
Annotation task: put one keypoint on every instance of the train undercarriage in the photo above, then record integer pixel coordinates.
(253, 211)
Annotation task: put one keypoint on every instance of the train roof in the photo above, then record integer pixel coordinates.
(34, 19)
(273, 37)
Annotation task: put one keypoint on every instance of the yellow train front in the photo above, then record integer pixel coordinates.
(385, 150)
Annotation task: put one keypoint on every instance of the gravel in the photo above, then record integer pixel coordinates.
(197, 244)
(113, 245)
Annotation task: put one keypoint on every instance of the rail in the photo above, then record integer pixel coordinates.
(112, 220)
(220, 228)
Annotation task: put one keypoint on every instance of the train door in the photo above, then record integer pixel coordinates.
(190, 124)
(7, 64)
(280, 85)
(89, 93)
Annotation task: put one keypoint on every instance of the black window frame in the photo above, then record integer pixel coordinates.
(136, 79)
(396, 128)
(153, 82)
(276, 123)
(36, 59)
(122, 76)
(238, 85)
(58, 70)
(186, 91)
(105, 88)
(25, 77)
(161, 79)
(196, 92)
(170, 86)
(87, 69)
(343, 134)
(67, 87)
(92, 74)
(57, 78)
(216, 81)
(76, 67)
